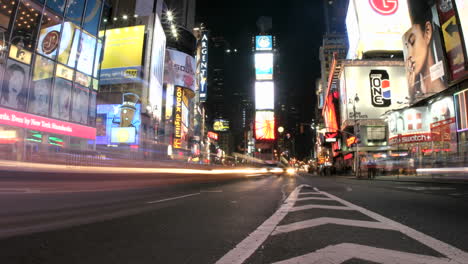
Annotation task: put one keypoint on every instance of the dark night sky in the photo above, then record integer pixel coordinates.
(298, 25)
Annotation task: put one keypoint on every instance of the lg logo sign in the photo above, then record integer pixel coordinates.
(384, 7)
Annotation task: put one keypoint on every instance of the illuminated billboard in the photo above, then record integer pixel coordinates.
(376, 25)
(380, 88)
(220, 125)
(409, 126)
(264, 96)
(263, 43)
(264, 125)
(123, 54)
(203, 66)
(118, 123)
(179, 69)
(462, 8)
(423, 52)
(158, 51)
(461, 103)
(264, 66)
(179, 93)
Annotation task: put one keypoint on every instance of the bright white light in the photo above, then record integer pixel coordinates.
(264, 96)
(291, 171)
(170, 16)
(228, 51)
(264, 66)
(125, 17)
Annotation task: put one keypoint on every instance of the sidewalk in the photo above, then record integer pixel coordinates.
(460, 179)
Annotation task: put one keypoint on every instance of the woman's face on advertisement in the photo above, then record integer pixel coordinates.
(417, 42)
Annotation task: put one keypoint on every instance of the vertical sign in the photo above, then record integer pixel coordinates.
(204, 66)
(380, 88)
(177, 143)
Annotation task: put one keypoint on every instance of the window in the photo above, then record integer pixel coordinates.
(80, 107)
(97, 59)
(92, 108)
(49, 35)
(56, 5)
(6, 12)
(26, 25)
(39, 98)
(376, 133)
(69, 44)
(92, 14)
(14, 91)
(62, 99)
(74, 10)
(85, 52)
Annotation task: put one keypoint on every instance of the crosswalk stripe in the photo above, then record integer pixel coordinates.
(318, 206)
(315, 198)
(343, 252)
(329, 220)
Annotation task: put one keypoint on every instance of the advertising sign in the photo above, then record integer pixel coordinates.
(204, 66)
(86, 50)
(220, 125)
(264, 96)
(33, 122)
(212, 135)
(264, 66)
(179, 93)
(179, 69)
(263, 43)
(379, 89)
(14, 92)
(424, 56)
(264, 125)
(462, 8)
(461, 104)
(409, 126)
(123, 51)
(157, 70)
(118, 123)
(379, 25)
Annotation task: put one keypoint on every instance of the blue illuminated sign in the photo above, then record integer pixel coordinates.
(263, 43)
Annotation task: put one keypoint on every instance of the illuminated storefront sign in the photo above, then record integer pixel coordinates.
(410, 138)
(19, 119)
(177, 142)
(350, 141)
(264, 66)
(263, 43)
(376, 25)
(264, 125)
(264, 96)
(212, 135)
(461, 103)
(204, 66)
(123, 53)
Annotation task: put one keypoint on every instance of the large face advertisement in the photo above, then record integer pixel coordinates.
(157, 70)
(264, 96)
(424, 57)
(14, 92)
(264, 66)
(179, 69)
(264, 125)
(380, 25)
(123, 51)
(378, 89)
(118, 124)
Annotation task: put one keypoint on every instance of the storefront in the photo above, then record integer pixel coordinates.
(49, 64)
(461, 108)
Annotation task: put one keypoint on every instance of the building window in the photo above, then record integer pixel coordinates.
(92, 14)
(49, 35)
(75, 10)
(41, 85)
(62, 99)
(376, 133)
(56, 5)
(26, 25)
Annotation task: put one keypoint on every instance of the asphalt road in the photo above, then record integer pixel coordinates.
(255, 219)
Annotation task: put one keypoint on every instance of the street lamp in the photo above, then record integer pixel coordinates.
(356, 132)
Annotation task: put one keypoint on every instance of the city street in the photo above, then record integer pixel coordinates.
(240, 218)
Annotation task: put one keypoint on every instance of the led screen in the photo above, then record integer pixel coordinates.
(264, 66)
(462, 7)
(263, 42)
(112, 118)
(157, 70)
(179, 69)
(264, 125)
(264, 96)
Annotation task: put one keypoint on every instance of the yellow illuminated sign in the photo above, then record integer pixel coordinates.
(20, 55)
(64, 72)
(177, 143)
(123, 48)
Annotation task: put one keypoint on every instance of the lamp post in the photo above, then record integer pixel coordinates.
(356, 132)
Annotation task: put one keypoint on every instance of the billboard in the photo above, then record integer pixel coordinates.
(424, 56)
(263, 43)
(411, 125)
(203, 66)
(179, 93)
(158, 51)
(264, 125)
(220, 125)
(461, 104)
(379, 89)
(179, 69)
(123, 54)
(376, 25)
(462, 8)
(264, 66)
(118, 123)
(264, 96)
(442, 118)
(452, 39)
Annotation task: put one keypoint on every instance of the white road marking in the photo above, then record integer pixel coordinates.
(309, 193)
(451, 252)
(329, 220)
(340, 253)
(173, 198)
(318, 206)
(250, 244)
(212, 191)
(314, 198)
(18, 190)
(420, 188)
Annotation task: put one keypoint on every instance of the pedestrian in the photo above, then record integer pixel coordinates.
(371, 169)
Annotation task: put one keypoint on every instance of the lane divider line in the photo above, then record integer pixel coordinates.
(304, 193)
(251, 243)
(329, 220)
(173, 198)
(315, 198)
(449, 251)
(318, 206)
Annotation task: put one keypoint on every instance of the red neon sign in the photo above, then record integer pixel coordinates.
(213, 135)
(38, 123)
(348, 156)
